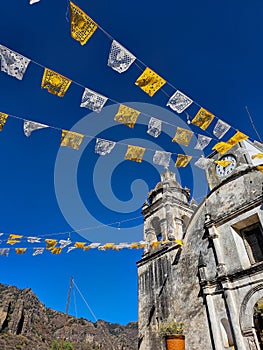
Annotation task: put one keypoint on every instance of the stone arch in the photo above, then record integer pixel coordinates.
(246, 319)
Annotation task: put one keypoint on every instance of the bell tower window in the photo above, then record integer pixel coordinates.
(253, 238)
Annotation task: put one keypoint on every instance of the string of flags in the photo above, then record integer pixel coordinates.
(103, 147)
(56, 247)
(15, 65)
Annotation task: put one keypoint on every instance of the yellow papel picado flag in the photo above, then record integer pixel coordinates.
(82, 26)
(71, 139)
(238, 137)
(222, 147)
(182, 160)
(183, 136)
(127, 116)
(13, 239)
(150, 82)
(79, 244)
(55, 83)
(50, 243)
(257, 155)
(260, 168)
(56, 250)
(135, 153)
(3, 118)
(203, 118)
(20, 250)
(223, 163)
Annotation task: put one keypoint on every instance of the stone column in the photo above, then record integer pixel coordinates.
(163, 223)
(213, 233)
(178, 228)
(213, 322)
(234, 318)
(149, 237)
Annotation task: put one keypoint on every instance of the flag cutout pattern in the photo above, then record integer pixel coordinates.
(179, 102)
(120, 59)
(13, 63)
(154, 127)
(150, 82)
(127, 116)
(203, 119)
(104, 147)
(32, 126)
(55, 83)
(92, 100)
(135, 153)
(71, 139)
(162, 158)
(183, 136)
(82, 26)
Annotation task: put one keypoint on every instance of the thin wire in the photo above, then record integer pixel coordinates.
(75, 304)
(94, 316)
(87, 228)
(94, 137)
(253, 125)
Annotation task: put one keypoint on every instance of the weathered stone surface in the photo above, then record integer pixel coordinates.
(214, 296)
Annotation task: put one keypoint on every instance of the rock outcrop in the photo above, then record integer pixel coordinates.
(25, 323)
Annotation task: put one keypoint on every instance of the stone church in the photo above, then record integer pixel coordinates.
(213, 282)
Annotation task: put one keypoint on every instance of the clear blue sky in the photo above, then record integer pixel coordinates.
(210, 50)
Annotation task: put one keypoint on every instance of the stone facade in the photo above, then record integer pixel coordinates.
(214, 280)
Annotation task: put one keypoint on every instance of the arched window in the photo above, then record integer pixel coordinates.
(157, 228)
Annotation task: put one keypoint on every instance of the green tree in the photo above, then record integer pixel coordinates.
(65, 346)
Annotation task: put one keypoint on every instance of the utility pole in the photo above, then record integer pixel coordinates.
(67, 307)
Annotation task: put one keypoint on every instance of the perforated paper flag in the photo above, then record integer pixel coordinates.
(64, 243)
(150, 82)
(104, 147)
(120, 59)
(203, 163)
(183, 136)
(127, 115)
(13, 63)
(154, 127)
(238, 137)
(33, 239)
(222, 147)
(56, 250)
(223, 162)
(257, 155)
(135, 153)
(55, 83)
(32, 126)
(38, 251)
(82, 26)
(203, 119)
(220, 129)
(92, 100)
(182, 160)
(202, 142)
(50, 243)
(179, 102)
(71, 139)
(3, 118)
(4, 251)
(162, 158)
(33, 2)
(20, 250)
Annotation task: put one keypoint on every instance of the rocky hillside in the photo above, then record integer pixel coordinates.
(25, 323)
